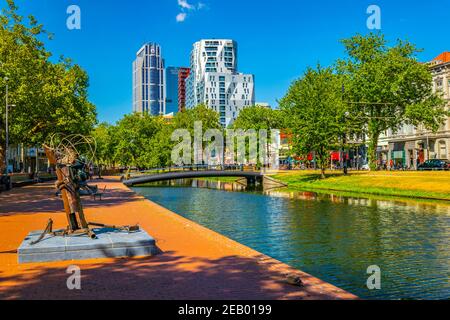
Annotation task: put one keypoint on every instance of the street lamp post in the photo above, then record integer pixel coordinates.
(7, 129)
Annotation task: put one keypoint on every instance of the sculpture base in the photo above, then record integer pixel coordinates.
(110, 243)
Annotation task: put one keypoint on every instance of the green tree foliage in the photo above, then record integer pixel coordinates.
(257, 117)
(387, 87)
(157, 153)
(315, 114)
(201, 113)
(144, 141)
(131, 138)
(187, 118)
(103, 134)
(48, 97)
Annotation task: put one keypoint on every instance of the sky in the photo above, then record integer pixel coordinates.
(277, 40)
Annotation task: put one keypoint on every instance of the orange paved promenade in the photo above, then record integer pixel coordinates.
(196, 262)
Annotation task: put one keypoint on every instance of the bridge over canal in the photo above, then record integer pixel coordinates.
(253, 177)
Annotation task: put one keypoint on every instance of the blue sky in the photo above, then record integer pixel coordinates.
(277, 39)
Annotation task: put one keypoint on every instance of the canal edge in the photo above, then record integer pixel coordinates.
(270, 263)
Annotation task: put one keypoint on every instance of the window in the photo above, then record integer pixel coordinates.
(443, 150)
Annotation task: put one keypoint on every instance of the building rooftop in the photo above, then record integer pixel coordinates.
(443, 57)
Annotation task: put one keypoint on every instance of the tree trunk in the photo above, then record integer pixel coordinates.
(2, 159)
(372, 151)
(322, 157)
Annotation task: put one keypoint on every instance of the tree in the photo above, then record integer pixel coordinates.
(158, 151)
(103, 135)
(48, 97)
(257, 117)
(315, 113)
(387, 87)
(131, 138)
(187, 118)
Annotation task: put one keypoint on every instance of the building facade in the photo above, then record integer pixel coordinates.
(411, 145)
(171, 89)
(27, 159)
(215, 81)
(183, 74)
(175, 87)
(148, 80)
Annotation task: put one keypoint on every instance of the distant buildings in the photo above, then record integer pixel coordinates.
(412, 145)
(172, 89)
(183, 74)
(148, 80)
(215, 81)
(176, 89)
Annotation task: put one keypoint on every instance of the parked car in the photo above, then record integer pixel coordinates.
(434, 164)
(365, 167)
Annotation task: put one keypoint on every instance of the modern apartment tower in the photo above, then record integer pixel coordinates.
(215, 81)
(148, 80)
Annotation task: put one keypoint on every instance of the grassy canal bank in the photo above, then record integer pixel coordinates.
(412, 184)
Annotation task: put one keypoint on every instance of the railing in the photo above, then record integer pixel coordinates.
(190, 168)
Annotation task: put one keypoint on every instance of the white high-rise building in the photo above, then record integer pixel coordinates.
(215, 81)
(148, 80)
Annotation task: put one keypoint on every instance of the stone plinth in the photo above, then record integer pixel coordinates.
(109, 244)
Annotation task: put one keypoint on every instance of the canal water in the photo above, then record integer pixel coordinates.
(334, 238)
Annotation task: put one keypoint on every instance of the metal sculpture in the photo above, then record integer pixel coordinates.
(70, 156)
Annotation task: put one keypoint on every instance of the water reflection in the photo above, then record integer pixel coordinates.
(332, 237)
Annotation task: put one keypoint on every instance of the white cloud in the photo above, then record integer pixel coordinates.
(181, 17)
(185, 5)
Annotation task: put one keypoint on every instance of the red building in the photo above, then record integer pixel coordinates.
(183, 73)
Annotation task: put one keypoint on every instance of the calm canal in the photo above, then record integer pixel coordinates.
(331, 237)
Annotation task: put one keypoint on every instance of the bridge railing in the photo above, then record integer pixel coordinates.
(199, 167)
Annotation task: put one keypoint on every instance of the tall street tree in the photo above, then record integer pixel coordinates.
(258, 117)
(131, 138)
(48, 97)
(387, 87)
(315, 113)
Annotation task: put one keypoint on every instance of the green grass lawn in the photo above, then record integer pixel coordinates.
(426, 185)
